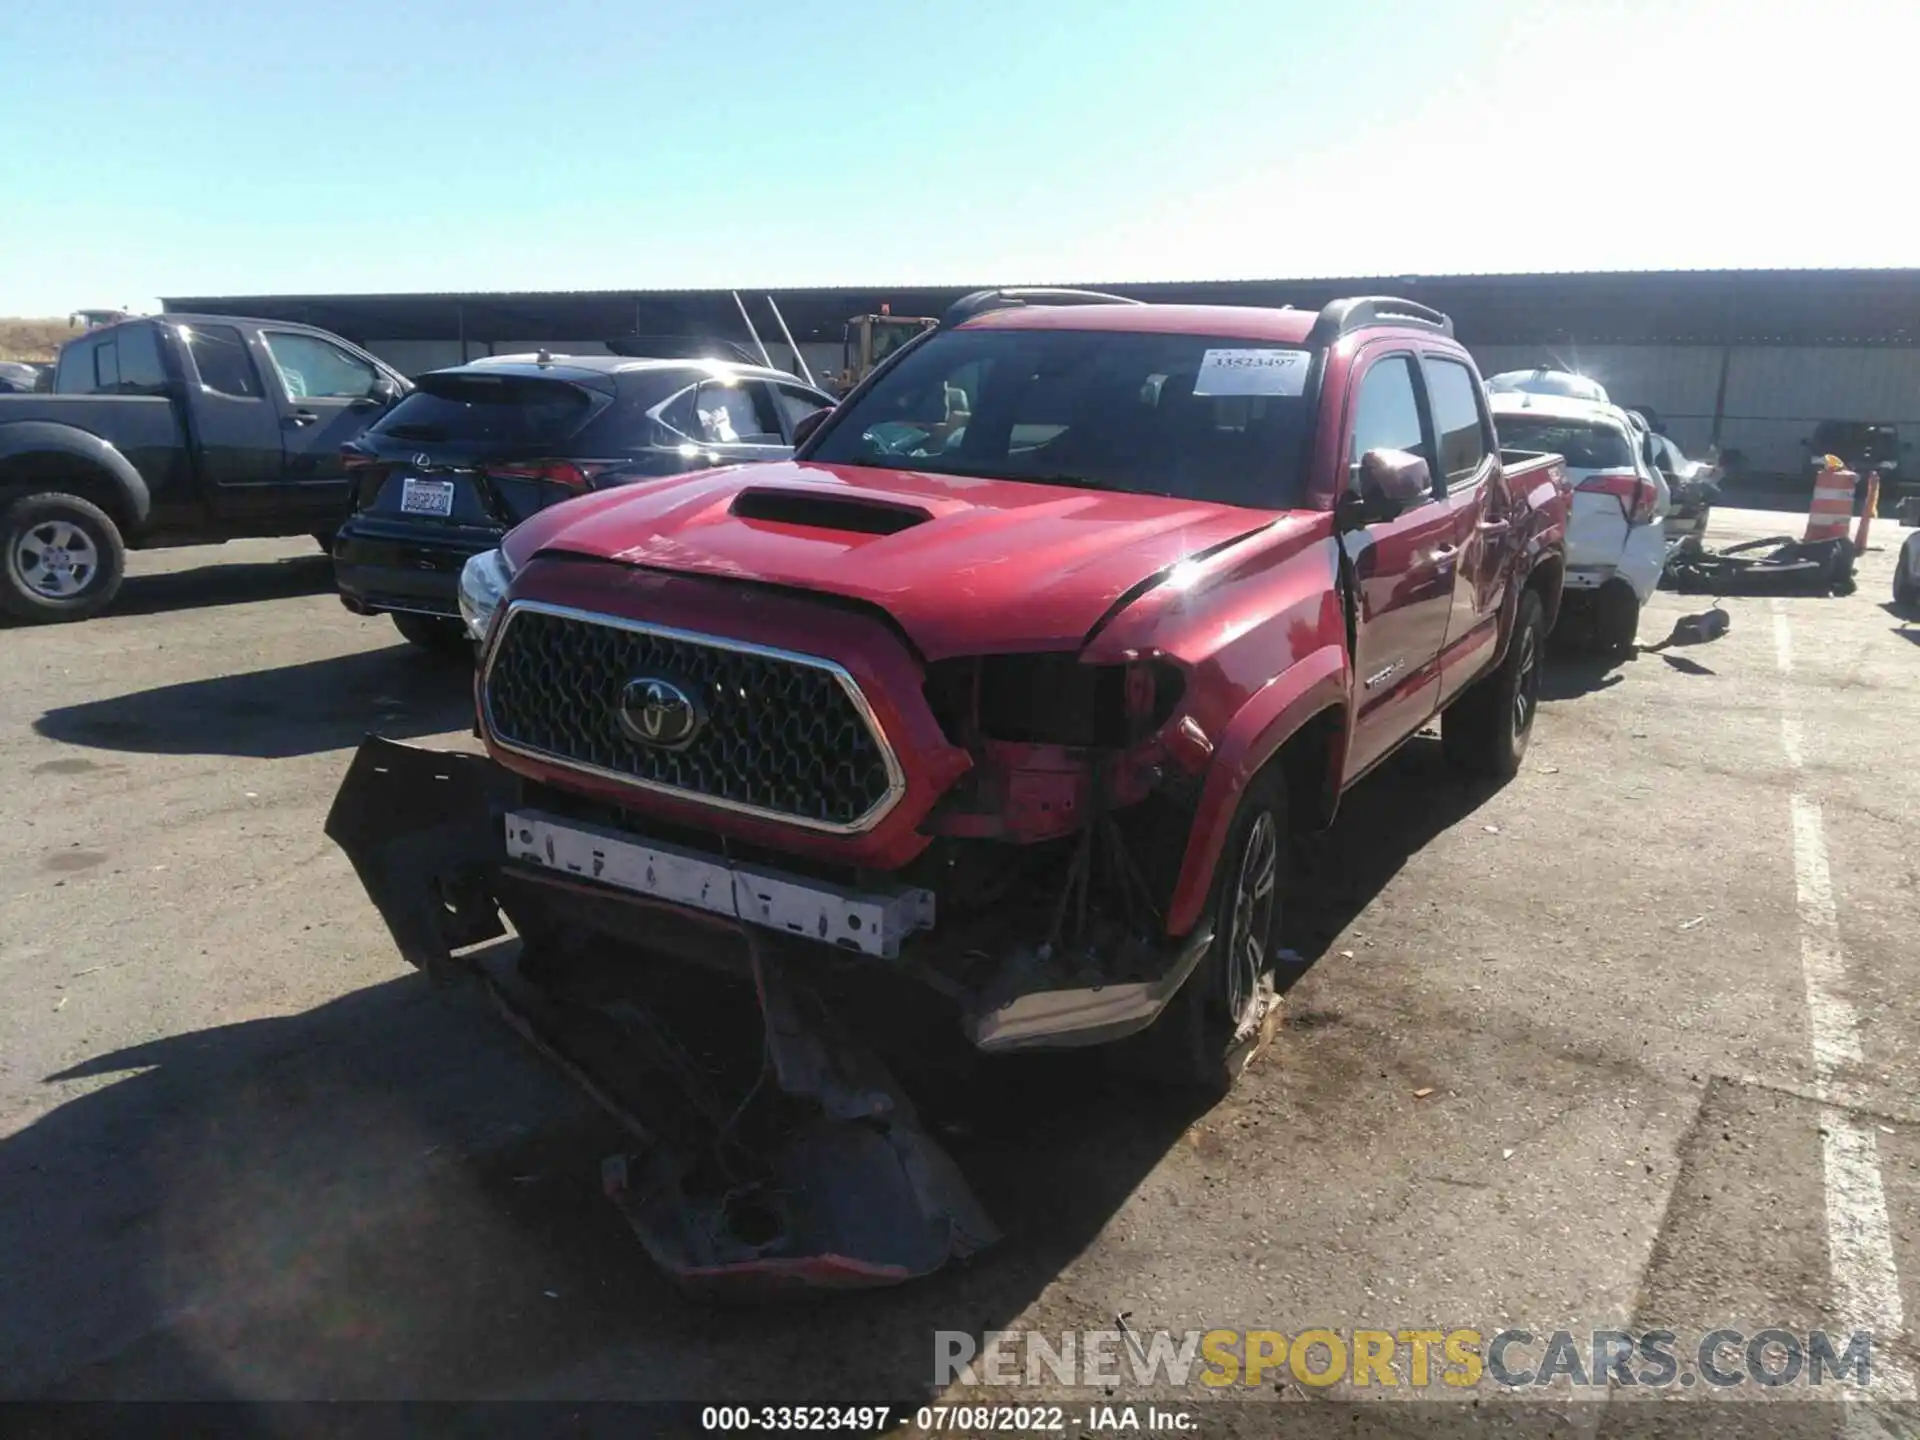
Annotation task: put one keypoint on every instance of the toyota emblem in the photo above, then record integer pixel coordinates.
(658, 713)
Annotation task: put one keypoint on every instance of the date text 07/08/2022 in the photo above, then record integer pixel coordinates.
(948, 1419)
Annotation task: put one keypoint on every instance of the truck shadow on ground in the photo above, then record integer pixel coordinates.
(1399, 809)
(232, 583)
(205, 586)
(387, 1196)
(303, 709)
(1571, 672)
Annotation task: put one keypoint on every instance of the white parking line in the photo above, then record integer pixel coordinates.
(1866, 1280)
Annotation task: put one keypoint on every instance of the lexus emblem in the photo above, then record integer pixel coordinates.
(659, 713)
(423, 461)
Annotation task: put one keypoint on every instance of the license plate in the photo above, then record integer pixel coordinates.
(426, 497)
(872, 922)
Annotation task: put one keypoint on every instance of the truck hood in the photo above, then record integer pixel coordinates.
(965, 565)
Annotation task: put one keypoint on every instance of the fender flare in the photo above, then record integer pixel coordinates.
(1545, 549)
(1322, 681)
(22, 438)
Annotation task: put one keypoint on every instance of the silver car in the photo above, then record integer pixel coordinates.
(1563, 383)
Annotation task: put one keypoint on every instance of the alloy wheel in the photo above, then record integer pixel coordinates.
(56, 559)
(1526, 690)
(1249, 938)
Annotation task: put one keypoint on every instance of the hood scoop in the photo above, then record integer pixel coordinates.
(822, 511)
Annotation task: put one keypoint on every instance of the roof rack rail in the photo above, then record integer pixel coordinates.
(1340, 317)
(981, 301)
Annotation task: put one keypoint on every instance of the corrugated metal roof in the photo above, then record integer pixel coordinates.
(1706, 307)
(931, 286)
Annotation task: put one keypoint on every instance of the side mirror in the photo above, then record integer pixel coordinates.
(804, 427)
(1390, 482)
(384, 391)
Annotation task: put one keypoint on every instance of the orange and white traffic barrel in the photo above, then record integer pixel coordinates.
(1869, 512)
(1832, 508)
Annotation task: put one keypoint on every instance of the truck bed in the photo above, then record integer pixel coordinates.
(144, 428)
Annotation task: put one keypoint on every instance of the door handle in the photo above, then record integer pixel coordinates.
(301, 417)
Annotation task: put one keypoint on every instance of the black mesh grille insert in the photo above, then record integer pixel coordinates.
(777, 735)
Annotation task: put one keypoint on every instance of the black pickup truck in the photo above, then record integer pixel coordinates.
(175, 430)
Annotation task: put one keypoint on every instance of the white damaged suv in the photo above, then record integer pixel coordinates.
(1616, 538)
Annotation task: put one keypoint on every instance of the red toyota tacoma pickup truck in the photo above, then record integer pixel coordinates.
(998, 704)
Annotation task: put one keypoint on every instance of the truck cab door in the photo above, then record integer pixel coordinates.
(234, 423)
(327, 395)
(1478, 509)
(1403, 568)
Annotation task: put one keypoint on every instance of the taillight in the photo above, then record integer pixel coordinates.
(364, 474)
(1638, 499)
(568, 474)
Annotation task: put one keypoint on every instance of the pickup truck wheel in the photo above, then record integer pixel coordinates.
(430, 632)
(61, 558)
(1486, 730)
(1208, 1032)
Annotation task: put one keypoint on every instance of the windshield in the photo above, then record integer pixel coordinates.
(496, 409)
(1670, 456)
(1182, 415)
(1586, 445)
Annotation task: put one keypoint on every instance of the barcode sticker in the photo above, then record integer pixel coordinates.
(1252, 372)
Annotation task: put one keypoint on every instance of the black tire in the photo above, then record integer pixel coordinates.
(35, 588)
(1485, 731)
(1906, 591)
(1616, 618)
(1212, 1026)
(433, 632)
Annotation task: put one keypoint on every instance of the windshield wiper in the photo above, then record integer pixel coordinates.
(1064, 479)
(1079, 482)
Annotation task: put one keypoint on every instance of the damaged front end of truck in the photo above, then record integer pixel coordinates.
(756, 1012)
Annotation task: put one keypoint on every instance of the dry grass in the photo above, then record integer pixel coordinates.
(33, 339)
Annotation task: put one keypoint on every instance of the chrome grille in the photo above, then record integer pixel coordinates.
(786, 736)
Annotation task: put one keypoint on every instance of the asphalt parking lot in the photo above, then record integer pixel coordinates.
(1617, 1045)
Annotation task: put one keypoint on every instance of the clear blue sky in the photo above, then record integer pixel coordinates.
(214, 146)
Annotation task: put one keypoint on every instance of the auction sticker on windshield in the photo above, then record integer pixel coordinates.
(1252, 372)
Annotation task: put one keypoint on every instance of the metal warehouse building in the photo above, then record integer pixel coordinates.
(1749, 360)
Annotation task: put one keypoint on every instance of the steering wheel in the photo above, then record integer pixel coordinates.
(906, 440)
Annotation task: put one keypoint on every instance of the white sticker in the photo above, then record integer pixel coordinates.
(1252, 372)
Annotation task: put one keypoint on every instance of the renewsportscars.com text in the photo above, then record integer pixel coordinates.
(1420, 1359)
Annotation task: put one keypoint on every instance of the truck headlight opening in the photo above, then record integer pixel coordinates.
(483, 585)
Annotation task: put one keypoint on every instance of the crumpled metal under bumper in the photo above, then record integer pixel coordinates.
(857, 1195)
(423, 831)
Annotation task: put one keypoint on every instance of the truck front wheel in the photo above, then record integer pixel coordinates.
(1212, 1026)
(61, 558)
(1485, 731)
